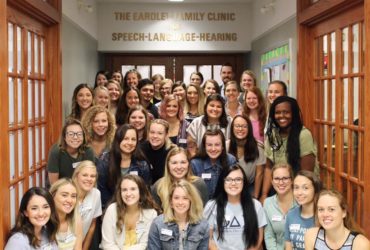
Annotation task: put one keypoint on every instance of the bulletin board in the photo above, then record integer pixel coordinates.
(276, 64)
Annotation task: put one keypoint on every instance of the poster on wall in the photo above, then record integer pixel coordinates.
(275, 65)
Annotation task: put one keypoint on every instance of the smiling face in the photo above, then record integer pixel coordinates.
(157, 135)
(303, 190)
(214, 110)
(179, 92)
(147, 92)
(101, 80)
(165, 90)
(129, 142)
(74, 136)
(231, 92)
(195, 79)
(172, 109)
(283, 115)
(38, 211)
(84, 98)
(132, 79)
(192, 95)
(329, 212)
(226, 74)
(180, 202)
(117, 76)
(86, 178)
(213, 146)
(65, 198)
(132, 99)
(240, 128)
(113, 90)
(209, 89)
(137, 119)
(251, 100)
(102, 98)
(178, 166)
(233, 183)
(100, 124)
(281, 181)
(247, 82)
(274, 91)
(130, 193)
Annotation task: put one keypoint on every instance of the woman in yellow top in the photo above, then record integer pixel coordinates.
(127, 220)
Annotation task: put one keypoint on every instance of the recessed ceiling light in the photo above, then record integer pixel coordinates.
(176, 0)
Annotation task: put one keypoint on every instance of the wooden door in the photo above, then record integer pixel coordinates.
(174, 66)
(31, 99)
(332, 91)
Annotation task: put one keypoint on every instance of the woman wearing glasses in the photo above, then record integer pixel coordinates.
(233, 214)
(277, 206)
(71, 149)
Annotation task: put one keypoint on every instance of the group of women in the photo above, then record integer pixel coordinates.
(210, 172)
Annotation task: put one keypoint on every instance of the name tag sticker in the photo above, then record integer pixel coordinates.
(166, 232)
(206, 176)
(277, 217)
(294, 227)
(75, 165)
(134, 172)
(182, 140)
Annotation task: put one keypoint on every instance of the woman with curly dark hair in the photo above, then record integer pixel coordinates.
(37, 222)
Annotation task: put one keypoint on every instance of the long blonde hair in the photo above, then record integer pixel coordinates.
(71, 217)
(79, 168)
(165, 183)
(195, 213)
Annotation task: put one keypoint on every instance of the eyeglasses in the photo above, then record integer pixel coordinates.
(283, 179)
(238, 126)
(73, 134)
(237, 180)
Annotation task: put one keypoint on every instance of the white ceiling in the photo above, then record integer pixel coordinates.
(166, 1)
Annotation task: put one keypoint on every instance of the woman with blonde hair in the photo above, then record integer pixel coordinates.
(157, 147)
(194, 104)
(69, 235)
(337, 229)
(128, 218)
(177, 169)
(248, 80)
(99, 125)
(101, 96)
(115, 92)
(89, 203)
(157, 78)
(171, 110)
(182, 225)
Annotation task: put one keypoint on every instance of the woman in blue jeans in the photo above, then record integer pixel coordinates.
(181, 226)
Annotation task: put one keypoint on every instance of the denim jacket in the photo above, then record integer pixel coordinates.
(208, 172)
(166, 235)
(140, 168)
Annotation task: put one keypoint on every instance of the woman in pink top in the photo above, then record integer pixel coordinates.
(254, 109)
